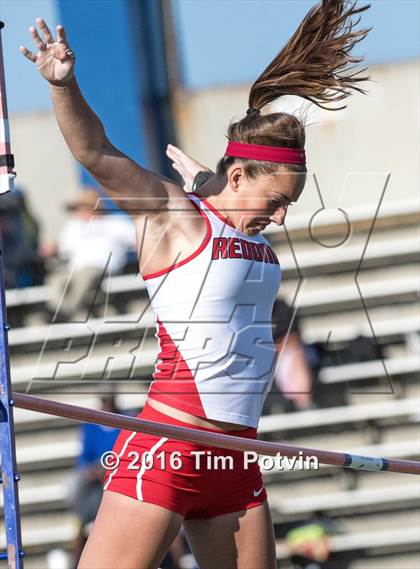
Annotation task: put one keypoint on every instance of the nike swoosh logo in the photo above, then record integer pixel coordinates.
(258, 492)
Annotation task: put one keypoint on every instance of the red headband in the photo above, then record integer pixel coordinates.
(267, 153)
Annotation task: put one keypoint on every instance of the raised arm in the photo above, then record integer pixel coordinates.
(137, 190)
(188, 168)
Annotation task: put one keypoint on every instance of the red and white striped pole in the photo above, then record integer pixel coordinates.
(7, 174)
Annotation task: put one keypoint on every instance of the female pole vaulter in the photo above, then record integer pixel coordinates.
(212, 280)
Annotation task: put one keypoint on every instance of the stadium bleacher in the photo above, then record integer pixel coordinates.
(377, 512)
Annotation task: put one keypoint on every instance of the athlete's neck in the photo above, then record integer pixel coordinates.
(216, 191)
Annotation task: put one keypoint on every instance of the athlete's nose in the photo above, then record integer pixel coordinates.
(279, 216)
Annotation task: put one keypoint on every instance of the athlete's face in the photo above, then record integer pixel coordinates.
(263, 200)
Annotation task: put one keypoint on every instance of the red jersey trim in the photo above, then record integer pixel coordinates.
(218, 214)
(222, 217)
(190, 257)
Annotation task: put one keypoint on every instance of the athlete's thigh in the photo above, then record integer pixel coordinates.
(240, 540)
(129, 534)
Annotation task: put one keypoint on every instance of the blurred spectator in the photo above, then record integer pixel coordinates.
(309, 544)
(92, 243)
(23, 265)
(296, 375)
(33, 270)
(292, 375)
(11, 239)
(358, 349)
(86, 485)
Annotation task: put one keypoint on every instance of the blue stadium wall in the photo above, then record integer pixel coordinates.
(121, 68)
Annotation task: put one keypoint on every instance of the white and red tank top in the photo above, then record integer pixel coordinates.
(213, 318)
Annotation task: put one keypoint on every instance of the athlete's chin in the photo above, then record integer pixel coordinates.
(253, 230)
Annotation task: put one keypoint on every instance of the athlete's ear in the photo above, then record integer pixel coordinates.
(235, 176)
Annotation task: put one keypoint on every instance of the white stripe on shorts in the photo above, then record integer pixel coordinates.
(128, 439)
(142, 470)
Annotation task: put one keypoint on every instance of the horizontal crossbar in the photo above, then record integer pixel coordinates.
(213, 439)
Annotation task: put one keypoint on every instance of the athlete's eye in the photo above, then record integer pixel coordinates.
(280, 203)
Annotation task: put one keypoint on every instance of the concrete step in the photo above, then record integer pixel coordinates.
(345, 503)
(401, 561)
(408, 519)
(28, 421)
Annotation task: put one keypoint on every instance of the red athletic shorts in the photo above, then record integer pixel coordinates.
(173, 475)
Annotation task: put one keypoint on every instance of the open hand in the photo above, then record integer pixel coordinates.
(54, 60)
(184, 165)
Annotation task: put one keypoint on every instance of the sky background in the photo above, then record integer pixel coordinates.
(219, 41)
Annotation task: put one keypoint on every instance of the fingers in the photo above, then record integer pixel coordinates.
(177, 168)
(173, 148)
(169, 152)
(45, 30)
(42, 42)
(177, 163)
(61, 35)
(180, 169)
(173, 152)
(28, 54)
(188, 180)
(47, 37)
(39, 43)
(172, 155)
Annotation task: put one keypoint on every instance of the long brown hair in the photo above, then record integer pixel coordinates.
(316, 64)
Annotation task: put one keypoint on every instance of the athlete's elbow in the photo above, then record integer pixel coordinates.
(89, 159)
